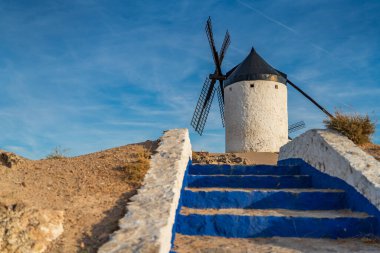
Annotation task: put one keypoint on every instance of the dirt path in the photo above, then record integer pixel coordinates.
(210, 244)
(92, 190)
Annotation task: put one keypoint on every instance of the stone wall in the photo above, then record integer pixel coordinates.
(337, 156)
(147, 226)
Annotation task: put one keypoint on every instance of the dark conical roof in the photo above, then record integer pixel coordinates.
(254, 67)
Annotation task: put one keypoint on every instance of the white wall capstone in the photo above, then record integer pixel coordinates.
(256, 116)
(147, 226)
(336, 155)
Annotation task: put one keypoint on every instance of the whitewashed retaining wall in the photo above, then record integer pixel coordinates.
(334, 154)
(147, 226)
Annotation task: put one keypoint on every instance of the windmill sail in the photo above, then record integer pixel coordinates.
(221, 102)
(226, 43)
(296, 126)
(203, 106)
(210, 37)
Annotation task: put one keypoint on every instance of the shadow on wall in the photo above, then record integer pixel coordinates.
(110, 223)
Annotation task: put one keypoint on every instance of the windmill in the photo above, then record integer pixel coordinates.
(207, 94)
(252, 100)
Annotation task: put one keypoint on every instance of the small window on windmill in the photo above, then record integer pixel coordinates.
(230, 88)
(252, 85)
(276, 86)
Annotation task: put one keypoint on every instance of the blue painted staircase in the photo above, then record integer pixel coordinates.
(265, 201)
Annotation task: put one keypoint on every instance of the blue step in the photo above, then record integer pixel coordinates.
(243, 170)
(294, 199)
(249, 181)
(248, 226)
(265, 201)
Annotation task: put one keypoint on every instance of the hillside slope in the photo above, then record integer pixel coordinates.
(92, 190)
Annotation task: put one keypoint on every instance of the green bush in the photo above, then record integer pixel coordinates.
(358, 128)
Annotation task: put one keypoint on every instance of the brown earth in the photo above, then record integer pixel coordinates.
(248, 158)
(92, 190)
(260, 157)
(217, 158)
(213, 244)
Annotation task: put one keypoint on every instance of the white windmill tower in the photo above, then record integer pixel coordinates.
(255, 107)
(252, 100)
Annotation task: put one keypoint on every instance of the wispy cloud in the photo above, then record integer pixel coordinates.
(249, 6)
(90, 75)
(298, 35)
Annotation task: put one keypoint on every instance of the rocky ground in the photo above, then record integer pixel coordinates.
(26, 229)
(242, 159)
(79, 199)
(217, 158)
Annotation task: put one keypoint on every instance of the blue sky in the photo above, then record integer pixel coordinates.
(90, 75)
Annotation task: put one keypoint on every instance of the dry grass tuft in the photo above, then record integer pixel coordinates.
(358, 128)
(58, 153)
(136, 170)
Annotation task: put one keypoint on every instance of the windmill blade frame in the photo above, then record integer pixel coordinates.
(203, 106)
(296, 126)
(219, 93)
(225, 45)
(206, 97)
(211, 41)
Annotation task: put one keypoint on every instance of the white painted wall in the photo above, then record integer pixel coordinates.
(147, 226)
(337, 156)
(256, 118)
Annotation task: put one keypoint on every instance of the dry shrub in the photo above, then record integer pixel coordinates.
(136, 170)
(58, 153)
(358, 128)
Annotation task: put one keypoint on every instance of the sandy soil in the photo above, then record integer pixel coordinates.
(209, 244)
(248, 158)
(259, 157)
(92, 190)
(216, 158)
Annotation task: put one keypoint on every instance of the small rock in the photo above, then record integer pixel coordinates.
(29, 230)
(9, 159)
